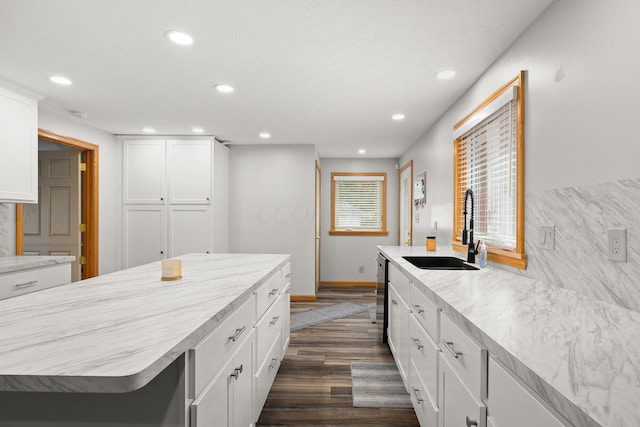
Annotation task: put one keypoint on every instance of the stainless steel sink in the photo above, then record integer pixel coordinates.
(439, 263)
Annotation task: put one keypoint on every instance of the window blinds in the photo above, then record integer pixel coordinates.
(486, 163)
(358, 202)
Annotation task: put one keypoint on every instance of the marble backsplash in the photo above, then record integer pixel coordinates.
(7, 229)
(579, 261)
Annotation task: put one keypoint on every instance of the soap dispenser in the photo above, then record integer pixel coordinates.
(482, 250)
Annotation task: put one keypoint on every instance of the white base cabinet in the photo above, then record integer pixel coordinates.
(458, 405)
(32, 280)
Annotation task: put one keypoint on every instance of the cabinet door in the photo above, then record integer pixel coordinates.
(18, 148)
(212, 406)
(190, 230)
(243, 385)
(144, 234)
(189, 172)
(399, 332)
(144, 172)
(458, 407)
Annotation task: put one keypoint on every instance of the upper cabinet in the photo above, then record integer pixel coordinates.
(18, 147)
(167, 171)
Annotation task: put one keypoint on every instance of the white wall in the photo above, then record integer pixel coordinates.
(110, 183)
(341, 256)
(582, 66)
(271, 206)
(576, 126)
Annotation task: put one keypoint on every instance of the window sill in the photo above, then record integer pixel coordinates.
(358, 233)
(501, 256)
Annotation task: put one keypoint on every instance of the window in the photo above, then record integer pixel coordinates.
(489, 159)
(358, 204)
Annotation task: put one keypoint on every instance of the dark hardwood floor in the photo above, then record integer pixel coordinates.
(313, 385)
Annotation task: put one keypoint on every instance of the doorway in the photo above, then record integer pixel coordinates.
(88, 228)
(405, 204)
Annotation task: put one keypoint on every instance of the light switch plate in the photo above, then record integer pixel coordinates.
(546, 236)
(617, 244)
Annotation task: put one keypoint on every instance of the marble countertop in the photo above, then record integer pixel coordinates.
(580, 354)
(114, 333)
(10, 264)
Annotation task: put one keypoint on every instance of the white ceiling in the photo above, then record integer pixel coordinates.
(323, 72)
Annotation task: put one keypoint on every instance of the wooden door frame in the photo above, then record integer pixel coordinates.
(409, 165)
(89, 201)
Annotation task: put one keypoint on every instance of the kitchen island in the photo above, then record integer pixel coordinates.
(114, 350)
(580, 356)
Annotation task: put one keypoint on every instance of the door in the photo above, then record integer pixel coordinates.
(189, 172)
(144, 172)
(51, 227)
(144, 234)
(317, 225)
(190, 229)
(405, 237)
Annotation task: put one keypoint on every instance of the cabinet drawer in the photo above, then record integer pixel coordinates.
(212, 405)
(425, 311)
(399, 281)
(214, 350)
(423, 403)
(268, 328)
(458, 405)
(24, 282)
(268, 292)
(465, 356)
(265, 376)
(424, 354)
(510, 403)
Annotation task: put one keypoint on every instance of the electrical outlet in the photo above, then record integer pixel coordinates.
(361, 269)
(617, 244)
(546, 236)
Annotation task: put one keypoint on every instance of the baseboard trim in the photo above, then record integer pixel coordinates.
(353, 284)
(303, 298)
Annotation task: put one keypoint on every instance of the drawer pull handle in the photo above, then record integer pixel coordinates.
(416, 342)
(418, 309)
(273, 363)
(394, 302)
(288, 276)
(416, 393)
(471, 422)
(239, 332)
(274, 320)
(273, 292)
(25, 284)
(449, 346)
(289, 290)
(237, 372)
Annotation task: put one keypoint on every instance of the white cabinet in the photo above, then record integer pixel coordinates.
(458, 405)
(190, 229)
(398, 334)
(145, 238)
(189, 165)
(511, 403)
(286, 308)
(35, 279)
(226, 400)
(177, 177)
(18, 147)
(145, 172)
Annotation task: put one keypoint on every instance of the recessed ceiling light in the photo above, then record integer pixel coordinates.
(265, 135)
(179, 37)
(445, 74)
(398, 117)
(197, 129)
(224, 88)
(362, 151)
(60, 80)
(148, 129)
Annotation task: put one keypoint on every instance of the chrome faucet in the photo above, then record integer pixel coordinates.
(471, 250)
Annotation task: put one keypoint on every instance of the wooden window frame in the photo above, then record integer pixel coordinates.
(343, 232)
(517, 257)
